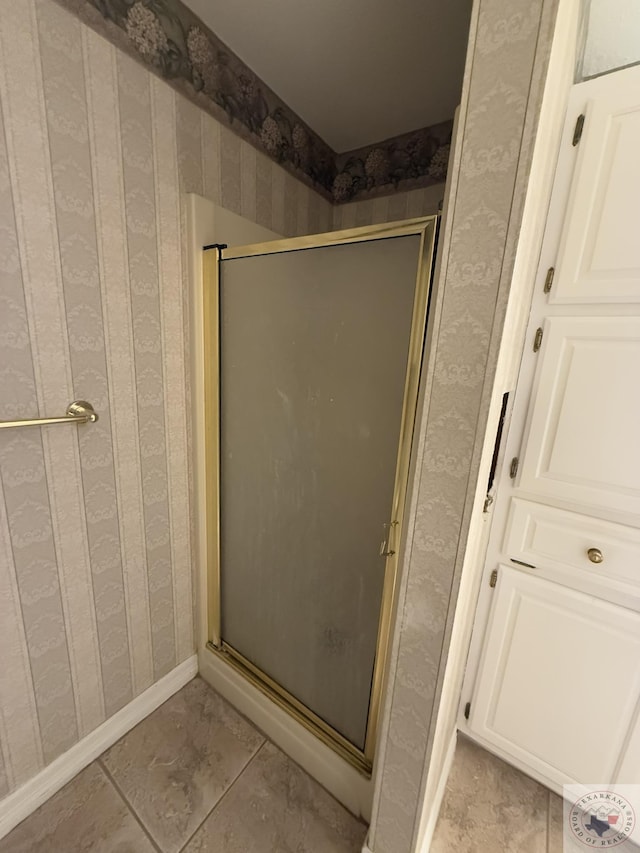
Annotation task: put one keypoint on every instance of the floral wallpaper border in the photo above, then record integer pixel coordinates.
(404, 162)
(167, 36)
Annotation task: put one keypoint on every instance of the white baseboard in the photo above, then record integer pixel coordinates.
(342, 780)
(28, 797)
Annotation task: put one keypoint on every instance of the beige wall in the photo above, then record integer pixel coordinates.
(95, 526)
(95, 529)
(389, 208)
(95, 523)
(509, 48)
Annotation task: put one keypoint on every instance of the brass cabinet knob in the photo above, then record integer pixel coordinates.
(595, 555)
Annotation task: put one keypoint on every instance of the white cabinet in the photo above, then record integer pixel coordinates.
(628, 772)
(556, 689)
(559, 679)
(583, 444)
(599, 256)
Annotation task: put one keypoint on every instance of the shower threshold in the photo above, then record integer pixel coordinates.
(292, 706)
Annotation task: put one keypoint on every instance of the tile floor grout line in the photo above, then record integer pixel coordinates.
(546, 846)
(129, 806)
(549, 822)
(216, 804)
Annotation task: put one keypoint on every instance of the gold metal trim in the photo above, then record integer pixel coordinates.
(407, 425)
(425, 227)
(78, 412)
(331, 238)
(211, 320)
(288, 702)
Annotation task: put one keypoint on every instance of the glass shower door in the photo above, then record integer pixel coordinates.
(318, 352)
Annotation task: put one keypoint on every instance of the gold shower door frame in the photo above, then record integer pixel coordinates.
(425, 227)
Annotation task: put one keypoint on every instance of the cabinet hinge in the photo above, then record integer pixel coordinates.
(513, 468)
(467, 710)
(577, 131)
(537, 341)
(493, 578)
(548, 280)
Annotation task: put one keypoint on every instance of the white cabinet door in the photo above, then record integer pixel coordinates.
(629, 770)
(599, 257)
(583, 441)
(559, 680)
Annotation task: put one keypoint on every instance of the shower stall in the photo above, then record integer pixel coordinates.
(312, 350)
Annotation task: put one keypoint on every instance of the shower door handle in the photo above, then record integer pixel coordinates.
(386, 548)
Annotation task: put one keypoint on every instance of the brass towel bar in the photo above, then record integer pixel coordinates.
(78, 412)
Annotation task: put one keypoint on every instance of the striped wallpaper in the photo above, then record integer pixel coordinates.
(389, 208)
(95, 523)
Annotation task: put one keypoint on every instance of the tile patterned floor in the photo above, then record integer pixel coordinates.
(195, 776)
(490, 806)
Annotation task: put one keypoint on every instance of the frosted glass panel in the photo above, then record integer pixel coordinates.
(314, 348)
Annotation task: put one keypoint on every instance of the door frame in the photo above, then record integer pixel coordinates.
(206, 222)
(426, 229)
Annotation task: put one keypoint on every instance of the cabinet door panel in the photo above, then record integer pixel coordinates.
(629, 770)
(582, 445)
(599, 257)
(559, 678)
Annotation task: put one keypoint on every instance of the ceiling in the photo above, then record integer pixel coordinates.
(357, 72)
